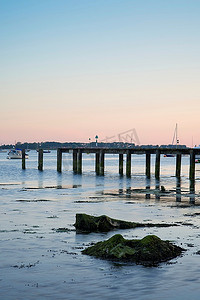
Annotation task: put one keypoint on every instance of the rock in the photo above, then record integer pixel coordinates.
(162, 188)
(86, 223)
(150, 250)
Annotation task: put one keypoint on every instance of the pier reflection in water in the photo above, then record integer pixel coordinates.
(148, 195)
(178, 189)
(154, 190)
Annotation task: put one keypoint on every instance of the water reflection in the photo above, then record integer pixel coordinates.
(77, 180)
(157, 189)
(178, 189)
(128, 192)
(125, 187)
(192, 191)
(192, 186)
(128, 187)
(148, 184)
(59, 180)
(121, 185)
(40, 180)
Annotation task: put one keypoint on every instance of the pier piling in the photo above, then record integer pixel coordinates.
(178, 165)
(157, 164)
(101, 164)
(148, 165)
(97, 163)
(128, 163)
(23, 159)
(59, 160)
(121, 164)
(40, 159)
(192, 170)
(75, 161)
(79, 162)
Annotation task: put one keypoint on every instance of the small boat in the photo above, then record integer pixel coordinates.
(168, 155)
(44, 151)
(15, 154)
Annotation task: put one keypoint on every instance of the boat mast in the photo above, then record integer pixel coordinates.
(175, 135)
(177, 140)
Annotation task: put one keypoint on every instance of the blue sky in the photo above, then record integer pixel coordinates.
(99, 67)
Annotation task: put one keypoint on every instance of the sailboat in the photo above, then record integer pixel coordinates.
(175, 141)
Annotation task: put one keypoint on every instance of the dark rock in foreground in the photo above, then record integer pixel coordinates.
(149, 251)
(87, 223)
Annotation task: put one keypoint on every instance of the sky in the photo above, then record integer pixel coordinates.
(74, 69)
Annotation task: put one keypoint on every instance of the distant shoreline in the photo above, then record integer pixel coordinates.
(56, 145)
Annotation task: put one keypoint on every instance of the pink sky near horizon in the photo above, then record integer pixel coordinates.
(81, 112)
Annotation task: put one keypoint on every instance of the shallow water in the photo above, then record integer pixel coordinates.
(37, 262)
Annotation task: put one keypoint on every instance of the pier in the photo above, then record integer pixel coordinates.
(124, 153)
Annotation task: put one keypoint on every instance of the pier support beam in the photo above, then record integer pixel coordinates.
(40, 159)
(128, 163)
(178, 165)
(192, 170)
(75, 161)
(157, 165)
(59, 160)
(23, 159)
(121, 164)
(148, 165)
(79, 162)
(97, 163)
(101, 163)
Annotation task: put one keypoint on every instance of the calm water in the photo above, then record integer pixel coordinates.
(38, 262)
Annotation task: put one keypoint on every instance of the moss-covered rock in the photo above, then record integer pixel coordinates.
(87, 223)
(150, 250)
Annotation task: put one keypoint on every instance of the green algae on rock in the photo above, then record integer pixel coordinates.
(87, 223)
(150, 250)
